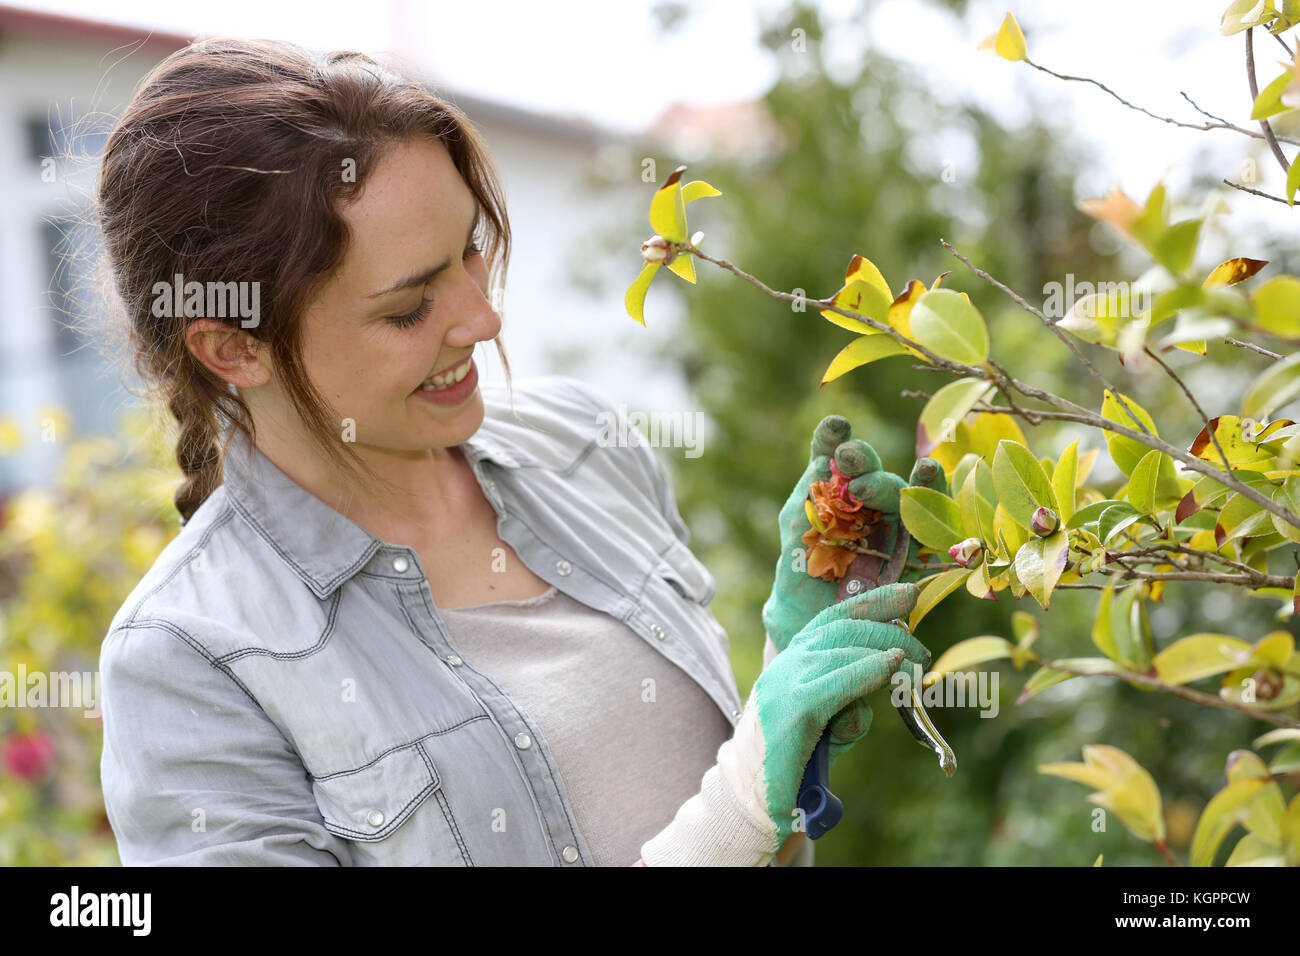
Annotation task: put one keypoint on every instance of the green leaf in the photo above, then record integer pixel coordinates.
(1293, 180)
(1277, 305)
(1278, 386)
(1115, 519)
(1021, 483)
(1090, 513)
(1065, 480)
(948, 324)
(933, 590)
(1126, 451)
(1153, 485)
(1040, 563)
(1269, 102)
(931, 518)
(945, 409)
(976, 510)
(1288, 496)
(1176, 247)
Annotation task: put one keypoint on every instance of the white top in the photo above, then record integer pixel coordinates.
(631, 733)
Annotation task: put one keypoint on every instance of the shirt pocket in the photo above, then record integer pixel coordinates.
(393, 811)
(686, 573)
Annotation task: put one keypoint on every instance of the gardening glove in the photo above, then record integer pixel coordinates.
(746, 806)
(796, 595)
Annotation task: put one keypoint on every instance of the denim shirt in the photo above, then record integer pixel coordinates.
(280, 688)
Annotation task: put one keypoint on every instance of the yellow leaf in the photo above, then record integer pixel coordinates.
(1008, 42)
(1233, 271)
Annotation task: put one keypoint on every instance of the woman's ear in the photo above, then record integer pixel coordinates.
(230, 353)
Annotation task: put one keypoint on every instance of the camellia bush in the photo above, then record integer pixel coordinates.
(1220, 509)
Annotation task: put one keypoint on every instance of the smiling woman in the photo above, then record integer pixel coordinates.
(283, 686)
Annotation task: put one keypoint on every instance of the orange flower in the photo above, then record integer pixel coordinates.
(842, 520)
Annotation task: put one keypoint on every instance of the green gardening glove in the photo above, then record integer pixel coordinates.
(746, 807)
(796, 595)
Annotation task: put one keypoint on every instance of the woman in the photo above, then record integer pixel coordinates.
(406, 621)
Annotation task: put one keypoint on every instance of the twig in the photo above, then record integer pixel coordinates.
(1254, 95)
(1187, 693)
(1195, 404)
(1070, 410)
(1220, 124)
(1254, 348)
(1020, 301)
(1255, 192)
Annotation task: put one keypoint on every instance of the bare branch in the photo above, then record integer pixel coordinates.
(1254, 348)
(1254, 94)
(1256, 192)
(1219, 124)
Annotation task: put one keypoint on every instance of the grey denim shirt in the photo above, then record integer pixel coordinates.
(280, 689)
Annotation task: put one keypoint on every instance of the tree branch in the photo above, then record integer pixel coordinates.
(1070, 410)
(1187, 693)
(1219, 124)
(1205, 419)
(1254, 94)
(1254, 348)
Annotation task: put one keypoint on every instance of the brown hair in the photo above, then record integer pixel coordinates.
(229, 165)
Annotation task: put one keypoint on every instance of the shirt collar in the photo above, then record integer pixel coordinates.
(323, 547)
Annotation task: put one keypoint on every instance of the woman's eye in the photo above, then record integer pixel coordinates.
(471, 251)
(412, 318)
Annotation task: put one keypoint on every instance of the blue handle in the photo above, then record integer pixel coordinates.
(821, 808)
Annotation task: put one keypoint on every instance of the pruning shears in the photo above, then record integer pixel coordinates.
(821, 808)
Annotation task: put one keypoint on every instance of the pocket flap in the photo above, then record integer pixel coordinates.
(369, 803)
(687, 573)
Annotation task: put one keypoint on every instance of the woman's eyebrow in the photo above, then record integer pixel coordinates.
(420, 278)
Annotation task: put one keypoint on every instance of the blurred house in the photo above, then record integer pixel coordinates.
(566, 182)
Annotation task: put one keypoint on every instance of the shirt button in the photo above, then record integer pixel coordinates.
(400, 564)
(523, 741)
(657, 631)
(564, 567)
(454, 661)
(375, 818)
(736, 714)
(570, 854)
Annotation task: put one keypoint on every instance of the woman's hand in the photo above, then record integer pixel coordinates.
(796, 595)
(746, 807)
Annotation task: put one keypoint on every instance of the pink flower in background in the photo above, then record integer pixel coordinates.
(28, 756)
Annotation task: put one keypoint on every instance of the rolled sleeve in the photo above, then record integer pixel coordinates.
(193, 771)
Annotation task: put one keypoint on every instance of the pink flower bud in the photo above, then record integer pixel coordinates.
(1044, 522)
(968, 553)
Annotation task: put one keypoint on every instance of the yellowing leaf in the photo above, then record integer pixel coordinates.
(1039, 564)
(1277, 306)
(1122, 786)
(1008, 42)
(965, 655)
(933, 590)
(1198, 656)
(1115, 208)
(1277, 387)
(1126, 451)
(1233, 271)
(1269, 102)
(861, 351)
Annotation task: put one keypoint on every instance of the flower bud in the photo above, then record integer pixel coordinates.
(1044, 522)
(968, 553)
(657, 249)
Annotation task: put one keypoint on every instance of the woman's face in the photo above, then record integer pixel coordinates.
(409, 300)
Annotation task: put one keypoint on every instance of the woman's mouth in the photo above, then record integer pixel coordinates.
(451, 387)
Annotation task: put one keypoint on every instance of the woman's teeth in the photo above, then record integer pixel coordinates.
(447, 379)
